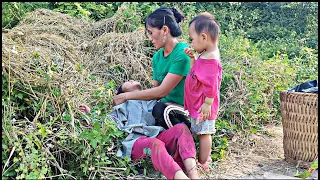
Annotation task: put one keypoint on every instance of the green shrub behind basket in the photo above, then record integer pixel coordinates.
(250, 85)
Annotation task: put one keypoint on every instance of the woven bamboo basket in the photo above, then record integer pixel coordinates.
(299, 112)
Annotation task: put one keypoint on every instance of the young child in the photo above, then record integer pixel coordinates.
(202, 85)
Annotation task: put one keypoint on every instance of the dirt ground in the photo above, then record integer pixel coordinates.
(253, 157)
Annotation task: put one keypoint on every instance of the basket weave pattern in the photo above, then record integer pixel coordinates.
(299, 113)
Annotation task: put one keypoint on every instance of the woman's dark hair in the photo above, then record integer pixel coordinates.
(166, 16)
(206, 22)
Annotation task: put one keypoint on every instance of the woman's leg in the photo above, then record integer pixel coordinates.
(157, 113)
(160, 157)
(175, 116)
(179, 140)
(205, 145)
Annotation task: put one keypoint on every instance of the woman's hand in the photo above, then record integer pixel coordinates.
(84, 109)
(190, 52)
(119, 99)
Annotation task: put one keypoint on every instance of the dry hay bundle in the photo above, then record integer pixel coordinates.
(40, 67)
(47, 21)
(44, 51)
(105, 26)
(117, 24)
(120, 56)
(235, 96)
(49, 61)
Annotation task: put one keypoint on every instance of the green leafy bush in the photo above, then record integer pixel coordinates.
(13, 12)
(266, 47)
(91, 11)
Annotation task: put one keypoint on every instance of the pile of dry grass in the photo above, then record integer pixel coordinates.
(45, 52)
(46, 21)
(120, 57)
(51, 57)
(55, 44)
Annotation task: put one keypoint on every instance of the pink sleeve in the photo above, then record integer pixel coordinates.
(211, 81)
(210, 86)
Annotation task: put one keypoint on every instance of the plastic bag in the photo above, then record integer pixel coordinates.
(309, 87)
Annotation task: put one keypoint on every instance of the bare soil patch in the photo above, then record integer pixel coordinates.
(251, 158)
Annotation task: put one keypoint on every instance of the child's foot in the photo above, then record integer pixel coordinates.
(209, 160)
(205, 166)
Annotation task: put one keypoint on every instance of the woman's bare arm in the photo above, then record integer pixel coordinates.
(155, 83)
(169, 83)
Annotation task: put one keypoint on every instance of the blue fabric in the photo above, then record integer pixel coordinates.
(135, 117)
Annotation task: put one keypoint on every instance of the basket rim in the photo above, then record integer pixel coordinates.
(301, 93)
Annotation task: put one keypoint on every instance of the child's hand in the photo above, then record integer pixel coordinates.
(84, 109)
(200, 118)
(204, 112)
(190, 52)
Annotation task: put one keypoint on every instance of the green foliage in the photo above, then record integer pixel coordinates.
(13, 12)
(91, 11)
(27, 146)
(130, 17)
(285, 18)
(27, 158)
(252, 81)
(220, 146)
(309, 171)
(99, 139)
(220, 140)
(266, 47)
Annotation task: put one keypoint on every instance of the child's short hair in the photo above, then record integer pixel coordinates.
(206, 22)
(119, 90)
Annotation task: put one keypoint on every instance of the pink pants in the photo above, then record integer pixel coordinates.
(177, 140)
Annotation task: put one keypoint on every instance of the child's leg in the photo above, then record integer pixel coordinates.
(205, 145)
(204, 130)
(160, 157)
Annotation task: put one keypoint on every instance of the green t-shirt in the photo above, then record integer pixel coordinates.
(177, 62)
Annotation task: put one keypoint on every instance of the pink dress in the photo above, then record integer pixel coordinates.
(203, 80)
